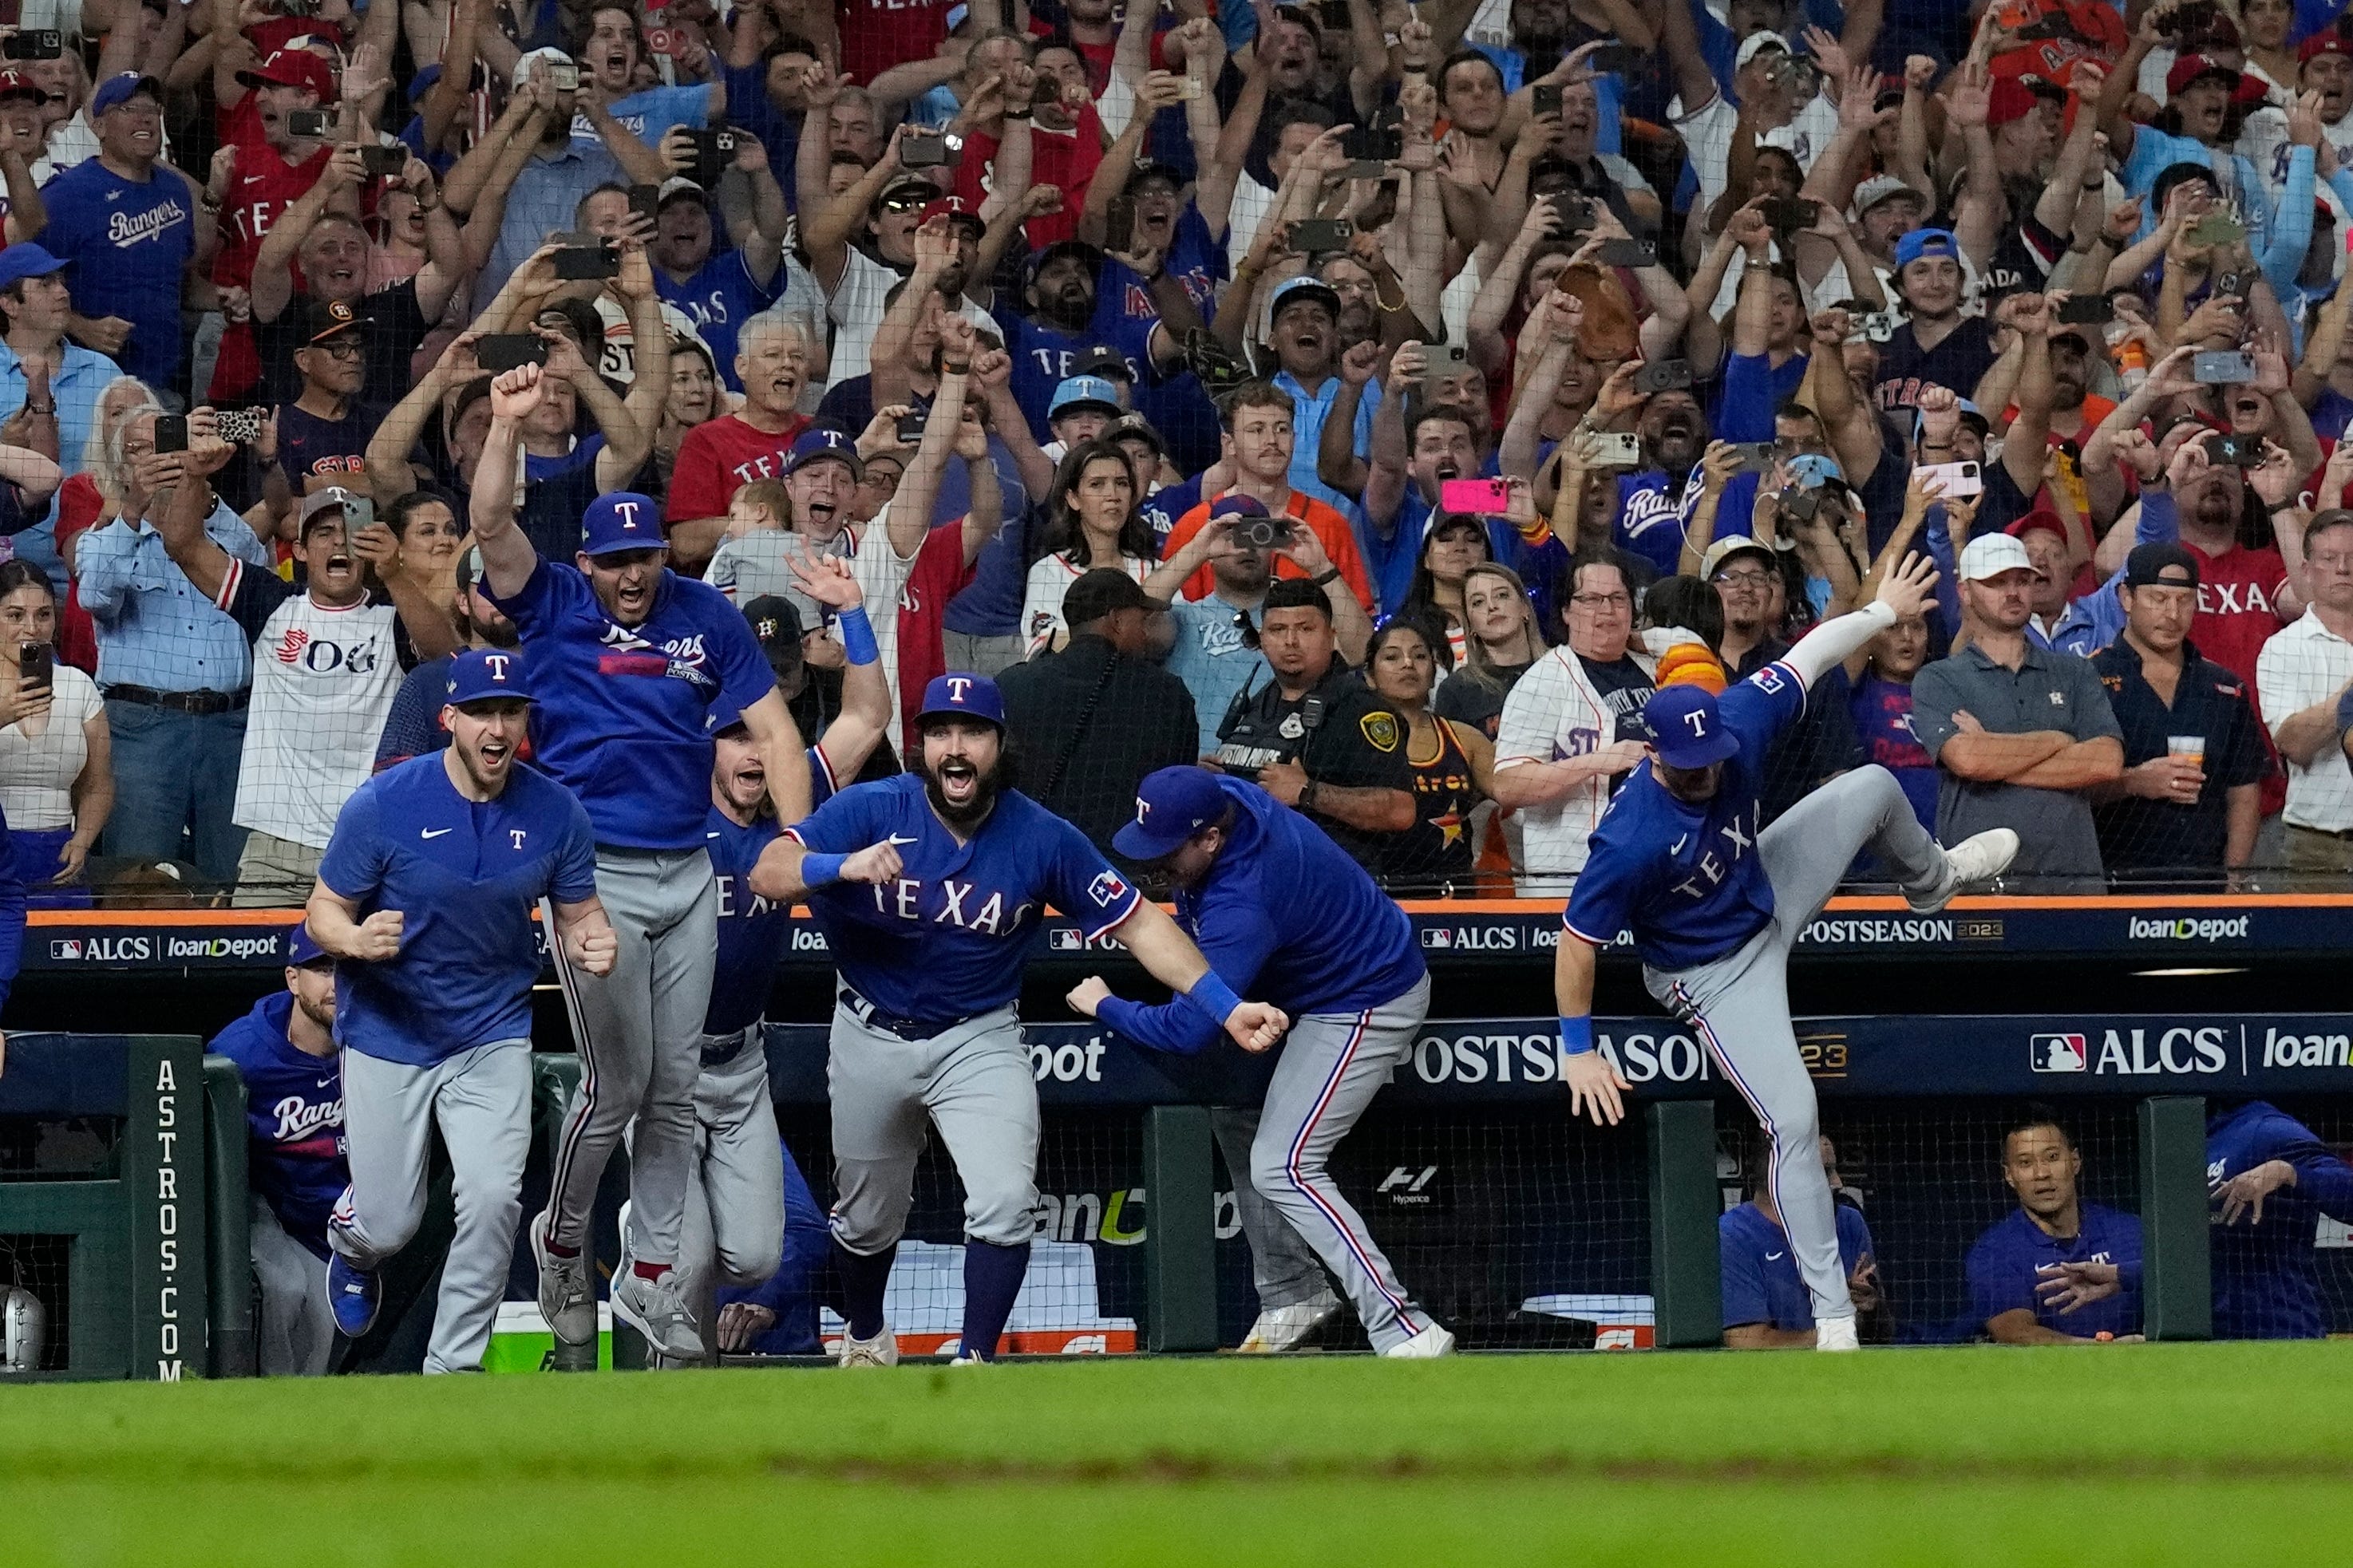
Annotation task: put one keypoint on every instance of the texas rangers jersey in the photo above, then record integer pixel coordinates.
(947, 938)
(1684, 878)
(624, 713)
(2267, 1277)
(752, 930)
(2004, 1267)
(293, 1118)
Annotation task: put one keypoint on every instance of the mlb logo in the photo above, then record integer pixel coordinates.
(1063, 939)
(1437, 936)
(66, 948)
(1106, 890)
(2059, 1053)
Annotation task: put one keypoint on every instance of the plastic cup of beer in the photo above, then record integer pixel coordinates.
(2192, 747)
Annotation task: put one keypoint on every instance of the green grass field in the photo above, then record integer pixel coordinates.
(2202, 1455)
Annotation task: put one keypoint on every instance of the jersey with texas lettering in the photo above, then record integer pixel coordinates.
(293, 1118)
(720, 457)
(1045, 356)
(948, 937)
(1683, 876)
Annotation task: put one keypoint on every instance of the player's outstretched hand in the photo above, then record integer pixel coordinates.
(1595, 1088)
(1908, 588)
(1088, 994)
(2068, 1286)
(2243, 1196)
(1257, 1026)
(877, 863)
(378, 936)
(594, 947)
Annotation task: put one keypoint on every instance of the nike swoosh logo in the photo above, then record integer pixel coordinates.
(1775, 1257)
(710, 836)
(894, 838)
(1677, 846)
(436, 832)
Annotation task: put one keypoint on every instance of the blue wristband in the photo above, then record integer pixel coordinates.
(1576, 1035)
(817, 870)
(1215, 997)
(858, 636)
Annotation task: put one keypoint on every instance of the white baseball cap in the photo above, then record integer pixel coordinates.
(553, 56)
(1990, 555)
(1878, 189)
(1755, 43)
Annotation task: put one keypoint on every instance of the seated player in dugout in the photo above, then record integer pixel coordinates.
(1765, 1306)
(2058, 1270)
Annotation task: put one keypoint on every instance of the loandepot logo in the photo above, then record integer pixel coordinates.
(2232, 930)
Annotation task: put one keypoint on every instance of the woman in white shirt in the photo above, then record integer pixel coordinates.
(56, 785)
(1092, 521)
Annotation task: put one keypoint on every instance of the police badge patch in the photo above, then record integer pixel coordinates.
(1292, 727)
(1380, 731)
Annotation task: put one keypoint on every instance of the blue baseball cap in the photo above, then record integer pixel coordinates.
(1922, 242)
(961, 695)
(479, 674)
(1686, 730)
(1305, 286)
(118, 90)
(26, 260)
(303, 948)
(1171, 805)
(622, 521)
(1814, 469)
(1078, 392)
(817, 444)
(1235, 505)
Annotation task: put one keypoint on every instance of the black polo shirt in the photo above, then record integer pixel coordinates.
(2209, 701)
(1339, 732)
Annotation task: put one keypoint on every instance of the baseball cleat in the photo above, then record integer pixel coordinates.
(566, 1299)
(1981, 858)
(353, 1293)
(967, 1361)
(1428, 1346)
(656, 1309)
(1280, 1328)
(882, 1349)
(1838, 1334)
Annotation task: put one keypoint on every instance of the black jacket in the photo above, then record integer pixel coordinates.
(1087, 724)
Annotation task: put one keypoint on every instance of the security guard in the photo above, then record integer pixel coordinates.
(1314, 737)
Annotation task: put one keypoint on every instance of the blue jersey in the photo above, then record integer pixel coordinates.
(948, 940)
(1046, 356)
(653, 113)
(1285, 916)
(720, 299)
(130, 242)
(623, 714)
(1685, 879)
(293, 1118)
(2002, 1265)
(465, 876)
(1760, 1278)
(752, 931)
(2266, 1277)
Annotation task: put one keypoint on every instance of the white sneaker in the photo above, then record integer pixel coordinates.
(1838, 1334)
(1428, 1346)
(1981, 858)
(566, 1299)
(882, 1349)
(1280, 1328)
(966, 1360)
(657, 1309)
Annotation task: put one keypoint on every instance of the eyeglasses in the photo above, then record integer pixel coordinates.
(1605, 601)
(1743, 579)
(909, 203)
(339, 348)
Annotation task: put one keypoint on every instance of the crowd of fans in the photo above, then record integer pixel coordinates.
(1365, 397)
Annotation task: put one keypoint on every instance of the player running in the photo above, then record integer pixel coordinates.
(631, 661)
(1276, 904)
(928, 887)
(424, 895)
(1715, 905)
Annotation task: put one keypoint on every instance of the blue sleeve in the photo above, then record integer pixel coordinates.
(1601, 901)
(2094, 621)
(542, 595)
(1748, 405)
(2291, 227)
(232, 533)
(1758, 708)
(575, 863)
(412, 727)
(1998, 1281)
(1938, 537)
(1744, 1276)
(2153, 153)
(1237, 940)
(2125, 1250)
(748, 106)
(2320, 1175)
(1854, 1236)
(2311, 16)
(1081, 882)
(2159, 522)
(103, 569)
(352, 866)
(744, 677)
(844, 825)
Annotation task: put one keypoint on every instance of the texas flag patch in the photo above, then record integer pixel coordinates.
(1107, 889)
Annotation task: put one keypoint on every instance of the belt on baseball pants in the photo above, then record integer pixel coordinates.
(873, 1017)
(198, 703)
(718, 1050)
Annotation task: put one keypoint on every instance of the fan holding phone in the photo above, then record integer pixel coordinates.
(56, 776)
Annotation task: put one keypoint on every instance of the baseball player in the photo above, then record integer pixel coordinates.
(285, 1051)
(1275, 904)
(1715, 905)
(426, 894)
(928, 887)
(629, 660)
(735, 1206)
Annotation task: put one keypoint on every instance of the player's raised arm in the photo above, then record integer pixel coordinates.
(1901, 593)
(1595, 1087)
(1170, 956)
(508, 558)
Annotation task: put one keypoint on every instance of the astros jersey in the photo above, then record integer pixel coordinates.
(1683, 878)
(751, 930)
(2266, 1277)
(623, 718)
(1285, 916)
(948, 940)
(293, 1118)
(465, 876)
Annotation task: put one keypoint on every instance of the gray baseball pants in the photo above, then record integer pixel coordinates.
(734, 1233)
(972, 1082)
(482, 1100)
(298, 1328)
(1332, 1066)
(1282, 1265)
(1740, 1002)
(640, 1032)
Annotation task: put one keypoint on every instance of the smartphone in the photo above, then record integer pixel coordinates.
(359, 511)
(582, 263)
(1188, 88)
(1576, 212)
(1119, 223)
(563, 76)
(2235, 451)
(911, 428)
(2223, 367)
(504, 351)
(1667, 375)
(924, 150)
(1488, 496)
(1755, 457)
(39, 44)
(1611, 57)
(171, 432)
(2087, 310)
(2218, 228)
(645, 201)
(383, 161)
(1619, 449)
(1322, 236)
(1372, 145)
(37, 665)
(241, 426)
(2232, 285)
(1791, 214)
(714, 150)
(311, 122)
(1957, 478)
(1445, 361)
(1548, 99)
(1628, 253)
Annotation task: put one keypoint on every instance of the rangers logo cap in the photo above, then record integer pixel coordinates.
(819, 444)
(1686, 730)
(1171, 805)
(303, 948)
(622, 521)
(960, 694)
(482, 674)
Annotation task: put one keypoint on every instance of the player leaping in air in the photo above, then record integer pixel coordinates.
(1715, 905)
